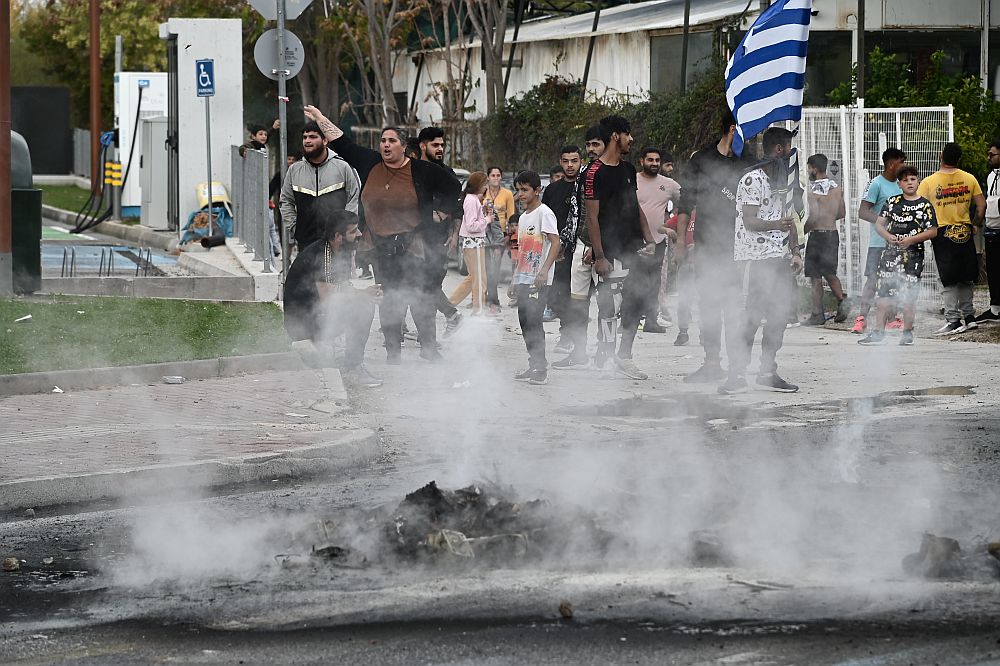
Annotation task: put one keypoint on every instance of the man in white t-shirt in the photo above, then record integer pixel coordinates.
(766, 238)
(656, 192)
(991, 235)
(538, 246)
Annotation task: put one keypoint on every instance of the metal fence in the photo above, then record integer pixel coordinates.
(853, 139)
(81, 152)
(252, 216)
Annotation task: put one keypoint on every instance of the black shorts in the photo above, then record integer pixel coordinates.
(871, 261)
(822, 254)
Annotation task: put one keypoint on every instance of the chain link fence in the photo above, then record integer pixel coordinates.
(853, 139)
(252, 216)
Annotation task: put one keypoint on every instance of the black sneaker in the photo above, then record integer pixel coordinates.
(360, 376)
(682, 339)
(815, 320)
(706, 374)
(971, 324)
(523, 375)
(572, 362)
(564, 346)
(843, 311)
(874, 338)
(733, 385)
(393, 357)
(538, 377)
(949, 329)
(773, 382)
(431, 355)
(906, 338)
(452, 324)
(654, 328)
(988, 317)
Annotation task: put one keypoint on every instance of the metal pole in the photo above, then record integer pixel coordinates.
(518, 17)
(590, 49)
(684, 45)
(984, 48)
(861, 49)
(6, 213)
(208, 158)
(96, 168)
(116, 190)
(283, 130)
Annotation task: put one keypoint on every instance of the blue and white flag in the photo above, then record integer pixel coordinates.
(766, 75)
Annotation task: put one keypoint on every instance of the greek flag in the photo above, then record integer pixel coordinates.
(766, 75)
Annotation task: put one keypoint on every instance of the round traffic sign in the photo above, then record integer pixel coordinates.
(265, 54)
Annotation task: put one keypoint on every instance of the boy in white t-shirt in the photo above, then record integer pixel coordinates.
(538, 247)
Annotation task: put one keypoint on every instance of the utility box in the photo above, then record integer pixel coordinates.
(152, 174)
(26, 220)
(138, 95)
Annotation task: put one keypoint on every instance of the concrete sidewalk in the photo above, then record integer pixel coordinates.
(138, 440)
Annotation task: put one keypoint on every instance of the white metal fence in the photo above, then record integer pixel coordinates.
(252, 216)
(853, 139)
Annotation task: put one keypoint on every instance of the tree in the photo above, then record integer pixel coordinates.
(489, 21)
(58, 31)
(445, 43)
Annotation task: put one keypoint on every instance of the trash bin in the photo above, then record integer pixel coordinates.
(26, 220)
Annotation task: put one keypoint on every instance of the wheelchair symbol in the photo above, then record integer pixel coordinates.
(204, 78)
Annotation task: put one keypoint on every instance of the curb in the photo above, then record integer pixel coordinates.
(131, 232)
(354, 448)
(92, 378)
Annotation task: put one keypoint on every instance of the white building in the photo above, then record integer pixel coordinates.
(637, 47)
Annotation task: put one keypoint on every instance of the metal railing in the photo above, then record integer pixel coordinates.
(106, 266)
(252, 216)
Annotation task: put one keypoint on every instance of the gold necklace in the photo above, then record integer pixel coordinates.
(390, 170)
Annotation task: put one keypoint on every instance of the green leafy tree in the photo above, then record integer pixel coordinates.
(892, 83)
(58, 32)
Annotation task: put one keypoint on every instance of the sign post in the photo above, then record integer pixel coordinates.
(205, 72)
(282, 72)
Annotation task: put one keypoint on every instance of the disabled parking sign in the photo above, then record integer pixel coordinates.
(205, 71)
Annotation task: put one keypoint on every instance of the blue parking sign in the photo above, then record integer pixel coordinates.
(205, 70)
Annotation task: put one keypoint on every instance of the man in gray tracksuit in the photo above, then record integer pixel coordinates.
(314, 186)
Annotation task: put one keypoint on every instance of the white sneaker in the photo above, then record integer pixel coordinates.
(627, 367)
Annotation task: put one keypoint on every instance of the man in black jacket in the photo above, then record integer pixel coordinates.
(398, 201)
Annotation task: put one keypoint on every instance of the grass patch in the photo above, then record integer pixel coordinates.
(66, 197)
(71, 332)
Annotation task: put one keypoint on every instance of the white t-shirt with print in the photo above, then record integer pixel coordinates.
(754, 190)
(533, 244)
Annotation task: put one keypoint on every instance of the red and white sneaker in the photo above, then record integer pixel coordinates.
(859, 325)
(895, 325)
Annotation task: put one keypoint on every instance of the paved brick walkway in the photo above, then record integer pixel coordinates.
(133, 426)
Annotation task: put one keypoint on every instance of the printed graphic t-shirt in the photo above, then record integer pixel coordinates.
(951, 194)
(878, 192)
(755, 190)
(907, 218)
(533, 244)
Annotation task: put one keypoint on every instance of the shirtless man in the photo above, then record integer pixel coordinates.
(826, 207)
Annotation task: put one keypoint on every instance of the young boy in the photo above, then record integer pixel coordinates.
(538, 247)
(906, 221)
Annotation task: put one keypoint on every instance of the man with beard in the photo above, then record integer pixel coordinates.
(656, 192)
(619, 235)
(576, 247)
(442, 237)
(315, 187)
(320, 302)
(398, 195)
(709, 189)
(560, 197)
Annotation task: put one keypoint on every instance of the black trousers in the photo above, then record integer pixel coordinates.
(993, 265)
(407, 280)
(720, 291)
(647, 281)
(530, 308)
(349, 313)
(437, 266)
(559, 291)
(620, 296)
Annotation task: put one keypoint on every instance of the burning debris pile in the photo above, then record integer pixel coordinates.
(941, 558)
(470, 524)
